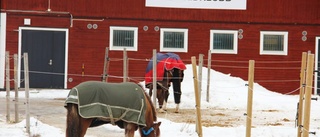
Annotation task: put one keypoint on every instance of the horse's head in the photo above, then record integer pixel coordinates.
(163, 87)
(174, 76)
(153, 131)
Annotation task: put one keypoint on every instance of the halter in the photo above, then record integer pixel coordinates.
(147, 132)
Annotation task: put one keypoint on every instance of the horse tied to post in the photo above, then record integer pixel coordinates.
(169, 69)
(94, 103)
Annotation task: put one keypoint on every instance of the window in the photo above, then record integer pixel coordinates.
(174, 40)
(124, 37)
(273, 43)
(224, 41)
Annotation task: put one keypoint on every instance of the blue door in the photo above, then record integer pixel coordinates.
(46, 54)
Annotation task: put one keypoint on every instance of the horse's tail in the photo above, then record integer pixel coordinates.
(73, 121)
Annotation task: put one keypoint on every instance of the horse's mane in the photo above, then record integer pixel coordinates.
(150, 102)
(152, 107)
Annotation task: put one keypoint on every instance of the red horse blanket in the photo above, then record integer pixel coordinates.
(165, 61)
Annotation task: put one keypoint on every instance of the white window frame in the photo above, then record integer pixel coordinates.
(285, 43)
(185, 46)
(135, 43)
(225, 51)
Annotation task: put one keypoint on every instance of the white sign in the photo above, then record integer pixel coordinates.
(199, 4)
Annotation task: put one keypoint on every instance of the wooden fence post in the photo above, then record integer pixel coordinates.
(200, 75)
(105, 66)
(308, 90)
(16, 82)
(125, 65)
(154, 76)
(302, 84)
(197, 97)
(8, 85)
(250, 98)
(26, 85)
(208, 76)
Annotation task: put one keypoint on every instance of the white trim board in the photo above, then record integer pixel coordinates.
(3, 28)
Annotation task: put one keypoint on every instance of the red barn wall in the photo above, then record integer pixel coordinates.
(87, 46)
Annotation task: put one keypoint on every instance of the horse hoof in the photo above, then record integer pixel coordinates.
(176, 111)
(161, 111)
(163, 108)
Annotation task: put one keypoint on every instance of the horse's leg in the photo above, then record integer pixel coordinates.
(177, 88)
(150, 91)
(76, 125)
(73, 121)
(130, 128)
(160, 97)
(177, 108)
(177, 99)
(164, 106)
(166, 95)
(85, 123)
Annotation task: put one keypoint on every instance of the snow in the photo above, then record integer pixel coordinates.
(226, 92)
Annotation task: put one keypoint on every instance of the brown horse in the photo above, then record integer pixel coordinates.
(174, 76)
(78, 120)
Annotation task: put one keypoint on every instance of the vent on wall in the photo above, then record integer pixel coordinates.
(304, 35)
(92, 26)
(240, 31)
(27, 21)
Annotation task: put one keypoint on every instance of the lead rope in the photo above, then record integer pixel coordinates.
(164, 88)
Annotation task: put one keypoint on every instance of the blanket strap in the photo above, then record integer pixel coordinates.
(110, 114)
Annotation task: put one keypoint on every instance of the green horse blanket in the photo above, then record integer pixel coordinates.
(110, 101)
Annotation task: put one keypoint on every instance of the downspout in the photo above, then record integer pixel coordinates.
(49, 9)
(55, 12)
(43, 12)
